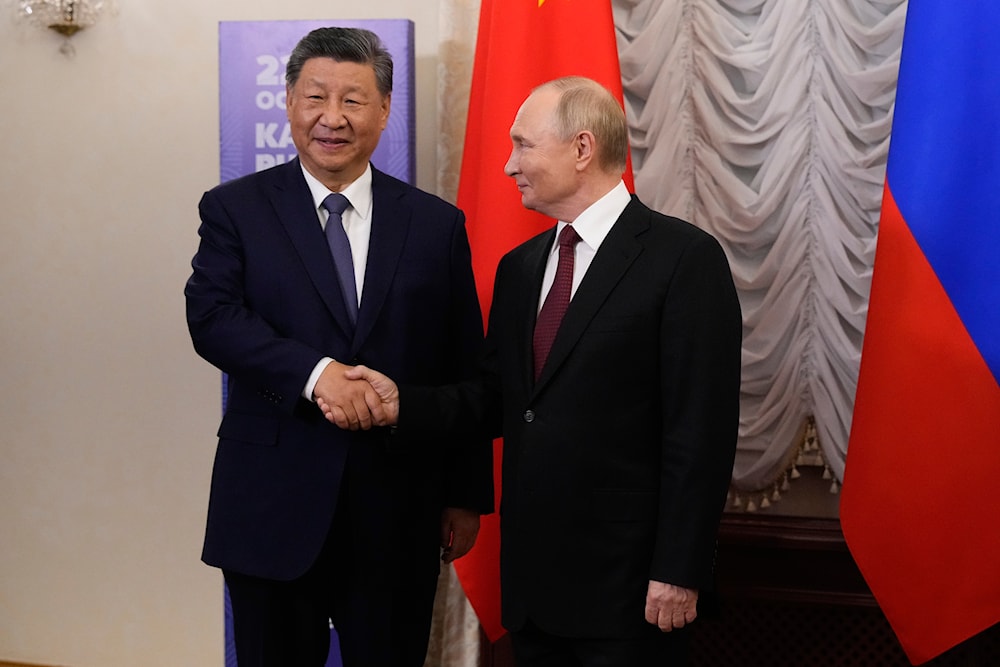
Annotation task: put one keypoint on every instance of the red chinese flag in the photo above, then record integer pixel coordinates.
(521, 44)
(920, 508)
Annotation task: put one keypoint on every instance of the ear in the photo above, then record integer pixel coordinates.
(386, 105)
(289, 101)
(586, 149)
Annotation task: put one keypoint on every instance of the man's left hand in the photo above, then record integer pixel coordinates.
(670, 607)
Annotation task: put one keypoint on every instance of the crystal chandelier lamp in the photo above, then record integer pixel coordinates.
(67, 17)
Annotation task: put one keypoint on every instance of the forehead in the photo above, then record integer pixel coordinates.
(329, 72)
(537, 113)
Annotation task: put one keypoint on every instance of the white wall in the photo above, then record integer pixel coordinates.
(107, 417)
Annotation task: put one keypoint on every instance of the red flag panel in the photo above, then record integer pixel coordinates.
(919, 505)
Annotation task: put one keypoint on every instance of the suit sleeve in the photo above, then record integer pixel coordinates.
(470, 457)
(700, 379)
(225, 329)
(469, 408)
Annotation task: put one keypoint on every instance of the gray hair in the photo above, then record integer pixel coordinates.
(354, 45)
(584, 104)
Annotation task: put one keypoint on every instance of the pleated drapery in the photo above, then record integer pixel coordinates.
(767, 123)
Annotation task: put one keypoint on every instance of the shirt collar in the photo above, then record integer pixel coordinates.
(358, 193)
(596, 221)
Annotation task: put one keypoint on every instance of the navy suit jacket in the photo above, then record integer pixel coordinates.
(264, 306)
(616, 462)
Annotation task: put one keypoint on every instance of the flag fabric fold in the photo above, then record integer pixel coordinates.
(919, 507)
(520, 44)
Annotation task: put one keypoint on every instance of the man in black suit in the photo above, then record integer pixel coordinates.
(307, 521)
(618, 440)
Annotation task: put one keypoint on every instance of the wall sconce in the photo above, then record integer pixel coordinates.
(66, 17)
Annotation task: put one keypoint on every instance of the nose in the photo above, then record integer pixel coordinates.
(511, 168)
(333, 114)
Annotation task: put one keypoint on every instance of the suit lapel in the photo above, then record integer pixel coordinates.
(616, 254)
(527, 296)
(293, 205)
(390, 226)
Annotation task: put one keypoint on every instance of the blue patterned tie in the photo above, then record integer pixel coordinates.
(340, 248)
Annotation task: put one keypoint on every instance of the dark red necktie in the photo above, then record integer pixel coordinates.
(557, 300)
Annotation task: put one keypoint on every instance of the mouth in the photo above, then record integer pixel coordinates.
(331, 143)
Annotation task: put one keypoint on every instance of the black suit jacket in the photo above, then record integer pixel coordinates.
(617, 461)
(264, 306)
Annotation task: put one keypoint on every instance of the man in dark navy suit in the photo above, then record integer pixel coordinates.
(619, 414)
(311, 523)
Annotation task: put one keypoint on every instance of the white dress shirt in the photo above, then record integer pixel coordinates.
(357, 220)
(593, 226)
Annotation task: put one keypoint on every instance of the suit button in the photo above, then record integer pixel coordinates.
(529, 416)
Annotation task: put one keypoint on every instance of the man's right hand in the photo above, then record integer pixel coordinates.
(350, 403)
(382, 399)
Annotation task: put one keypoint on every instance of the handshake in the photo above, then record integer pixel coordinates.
(356, 397)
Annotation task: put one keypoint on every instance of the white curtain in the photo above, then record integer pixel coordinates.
(765, 122)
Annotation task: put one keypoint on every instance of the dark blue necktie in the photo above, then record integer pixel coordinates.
(340, 248)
